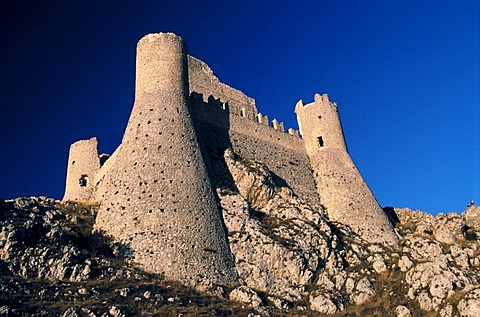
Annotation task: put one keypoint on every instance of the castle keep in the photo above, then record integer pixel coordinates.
(157, 190)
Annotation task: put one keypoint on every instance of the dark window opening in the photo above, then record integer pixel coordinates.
(83, 181)
(320, 141)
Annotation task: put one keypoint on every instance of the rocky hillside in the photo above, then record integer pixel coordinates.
(291, 259)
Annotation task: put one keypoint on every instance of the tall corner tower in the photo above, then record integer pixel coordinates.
(157, 199)
(320, 125)
(83, 165)
(342, 189)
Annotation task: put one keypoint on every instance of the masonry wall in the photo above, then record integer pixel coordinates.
(348, 199)
(83, 165)
(225, 117)
(202, 80)
(284, 154)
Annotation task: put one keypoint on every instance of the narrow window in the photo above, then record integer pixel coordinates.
(83, 181)
(320, 141)
(242, 112)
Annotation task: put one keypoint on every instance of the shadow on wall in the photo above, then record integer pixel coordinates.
(392, 215)
(214, 138)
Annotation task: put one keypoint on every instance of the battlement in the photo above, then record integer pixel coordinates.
(320, 125)
(318, 101)
(199, 100)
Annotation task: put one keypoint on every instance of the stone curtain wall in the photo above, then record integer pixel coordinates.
(284, 154)
(225, 117)
(157, 198)
(202, 80)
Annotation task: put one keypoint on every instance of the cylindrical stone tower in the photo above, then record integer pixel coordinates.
(342, 189)
(157, 199)
(83, 165)
(321, 127)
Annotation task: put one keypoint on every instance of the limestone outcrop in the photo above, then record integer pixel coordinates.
(285, 248)
(289, 258)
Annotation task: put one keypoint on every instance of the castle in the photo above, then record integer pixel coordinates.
(156, 192)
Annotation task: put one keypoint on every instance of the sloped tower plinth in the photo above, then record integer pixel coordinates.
(342, 189)
(156, 197)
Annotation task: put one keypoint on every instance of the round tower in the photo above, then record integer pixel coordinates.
(342, 189)
(320, 125)
(157, 199)
(83, 165)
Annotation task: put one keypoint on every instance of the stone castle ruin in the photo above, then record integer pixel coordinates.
(156, 192)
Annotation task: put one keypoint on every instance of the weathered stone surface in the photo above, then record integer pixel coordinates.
(31, 235)
(379, 266)
(364, 291)
(288, 255)
(281, 245)
(446, 311)
(252, 179)
(472, 217)
(322, 304)
(246, 295)
(269, 258)
(437, 266)
(402, 311)
(469, 306)
(444, 235)
(404, 263)
(441, 286)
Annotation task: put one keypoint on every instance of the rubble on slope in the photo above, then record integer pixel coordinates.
(291, 259)
(52, 265)
(292, 253)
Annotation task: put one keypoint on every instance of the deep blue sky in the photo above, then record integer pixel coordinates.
(405, 75)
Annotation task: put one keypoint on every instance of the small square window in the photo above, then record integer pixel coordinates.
(320, 141)
(83, 181)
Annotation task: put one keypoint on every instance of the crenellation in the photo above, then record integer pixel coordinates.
(197, 100)
(294, 132)
(161, 179)
(263, 119)
(278, 125)
(275, 124)
(259, 118)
